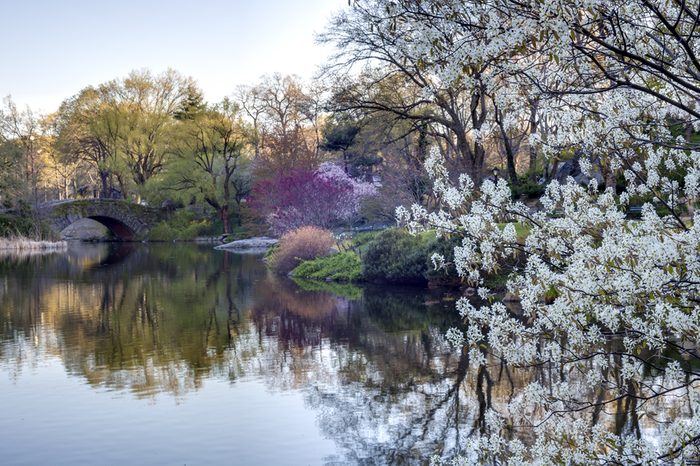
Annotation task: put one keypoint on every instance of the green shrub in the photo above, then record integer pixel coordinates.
(396, 256)
(446, 275)
(361, 240)
(527, 188)
(341, 267)
(183, 225)
(162, 232)
(23, 225)
(14, 225)
(300, 245)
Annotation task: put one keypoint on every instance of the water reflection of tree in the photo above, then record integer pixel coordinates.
(394, 393)
(157, 321)
(385, 384)
(437, 416)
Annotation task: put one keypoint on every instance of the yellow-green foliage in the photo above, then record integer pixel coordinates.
(184, 225)
(342, 267)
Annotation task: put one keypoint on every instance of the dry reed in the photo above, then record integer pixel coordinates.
(26, 244)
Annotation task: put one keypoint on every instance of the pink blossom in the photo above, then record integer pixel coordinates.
(324, 197)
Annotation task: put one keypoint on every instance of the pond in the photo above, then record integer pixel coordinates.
(179, 354)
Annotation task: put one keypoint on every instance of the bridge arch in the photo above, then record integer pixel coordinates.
(128, 221)
(117, 227)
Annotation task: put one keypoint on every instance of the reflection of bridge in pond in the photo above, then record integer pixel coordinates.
(374, 366)
(128, 221)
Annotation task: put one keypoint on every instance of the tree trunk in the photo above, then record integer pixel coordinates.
(104, 190)
(610, 178)
(468, 159)
(478, 162)
(533, 130)
(224, 218)
(122, 186)
(510, 153)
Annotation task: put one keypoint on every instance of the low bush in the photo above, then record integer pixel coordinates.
(300, 245)
(446, 275)
(398, 257)
(183, 225)
(527, 188)
(359, 241)
(15, 225)
(22, 224)
(162, 232)
(341, 267)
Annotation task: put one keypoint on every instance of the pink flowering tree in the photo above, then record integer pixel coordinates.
(323, 197)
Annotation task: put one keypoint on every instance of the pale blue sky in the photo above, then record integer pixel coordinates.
(52, 49)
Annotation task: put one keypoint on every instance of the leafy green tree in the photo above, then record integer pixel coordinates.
(145, 107)
(20, 132)
(87, 130)
(10, 177)
(213, 159)
(125, 128)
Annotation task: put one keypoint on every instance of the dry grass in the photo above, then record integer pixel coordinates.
(299, 245)
(29, 245)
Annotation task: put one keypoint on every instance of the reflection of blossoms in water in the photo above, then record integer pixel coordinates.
(377, 369)
(610, 306)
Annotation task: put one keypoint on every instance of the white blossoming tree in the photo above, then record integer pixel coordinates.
(609, 317)
(388, 44)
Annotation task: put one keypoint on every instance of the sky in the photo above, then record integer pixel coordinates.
(54, 48)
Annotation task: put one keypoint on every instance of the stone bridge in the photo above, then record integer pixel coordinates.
(128, 221)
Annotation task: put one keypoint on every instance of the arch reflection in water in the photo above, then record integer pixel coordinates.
(372, 363)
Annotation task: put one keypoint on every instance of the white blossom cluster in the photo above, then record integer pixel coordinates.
(633, 284)
(611, 303)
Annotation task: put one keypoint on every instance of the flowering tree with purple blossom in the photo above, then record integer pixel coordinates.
(323, 197)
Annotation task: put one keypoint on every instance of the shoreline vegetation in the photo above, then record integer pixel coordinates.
(26, 245)
(391, 256)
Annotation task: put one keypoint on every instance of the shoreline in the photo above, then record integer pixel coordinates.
(29, 245)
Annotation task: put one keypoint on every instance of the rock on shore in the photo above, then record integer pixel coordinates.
(259, 244)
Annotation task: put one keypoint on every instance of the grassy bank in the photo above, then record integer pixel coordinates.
(390, 256)
(394, 256)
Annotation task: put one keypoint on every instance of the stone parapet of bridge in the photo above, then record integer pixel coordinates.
(128, 221)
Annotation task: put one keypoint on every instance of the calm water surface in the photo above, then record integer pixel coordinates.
(178, 354)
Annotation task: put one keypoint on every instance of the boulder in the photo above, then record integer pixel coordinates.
(572, 168)
(259, 244)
